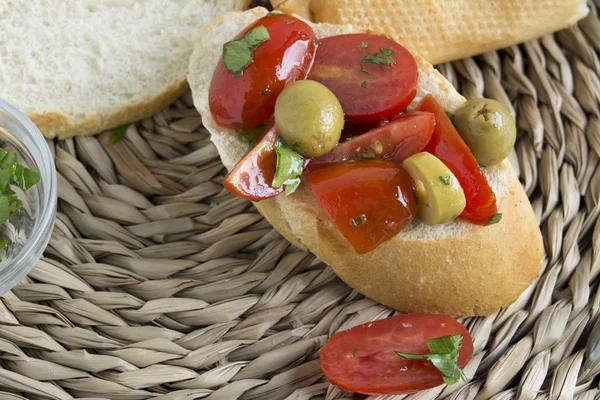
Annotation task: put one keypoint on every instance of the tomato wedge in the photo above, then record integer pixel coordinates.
(248, 100)
(447, 145)
(252, 177)
(368, 201)
(368, 89)
(399, 139)
(363, 359)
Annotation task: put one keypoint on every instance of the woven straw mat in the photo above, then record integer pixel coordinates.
(159, 284)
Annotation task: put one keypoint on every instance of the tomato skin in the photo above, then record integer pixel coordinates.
(447, 145)
(387, 90)
(253, 175)
(379, 193)
(375, 369)
(399, 139)
(242, 103)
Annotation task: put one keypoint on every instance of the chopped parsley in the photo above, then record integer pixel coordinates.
(444, 357)
(364, 84)
(237, 54)
(363, 70)
(365, 156)
(297, 143)
(451, 116)
(288, 21)
(251, 134)
(288, 169)
(118, 133)
(494, 219)
(358, 221)
(265, 92)
(384, 57)
(364, 45)
(316, 41)
(446, 179)
(355, 349)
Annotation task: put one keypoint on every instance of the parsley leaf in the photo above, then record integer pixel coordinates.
(494, 219)
(118, 133)
(384, 57)
(288, 169)
(364, 84)
(363, 70)
(451, 116)
(444, 356)
(446, 180)
(354, 352)
(364, 45)
(358, 221)
(237, 54)
(251, 134)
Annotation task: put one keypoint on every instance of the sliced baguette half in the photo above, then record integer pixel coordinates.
(457, 269)
(445, 30)
(80, 67)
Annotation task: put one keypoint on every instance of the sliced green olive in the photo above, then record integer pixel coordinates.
(439, 195)
(309, 118)
(488, 128)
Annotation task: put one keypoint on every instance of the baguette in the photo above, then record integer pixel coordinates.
(445, 30)
(81, 67)
(457, 269)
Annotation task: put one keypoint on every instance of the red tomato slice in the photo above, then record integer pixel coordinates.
(406, 135)
(368, 201)
(244, 102)
(368, 92)
(253, 175)
(363, 359)
(447, 145)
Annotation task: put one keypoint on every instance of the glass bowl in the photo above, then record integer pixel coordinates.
(28, 233)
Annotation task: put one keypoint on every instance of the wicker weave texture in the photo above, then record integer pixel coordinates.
(159, 284)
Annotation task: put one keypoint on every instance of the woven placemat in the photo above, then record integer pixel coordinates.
(159, 284)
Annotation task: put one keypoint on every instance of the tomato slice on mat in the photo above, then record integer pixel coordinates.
(252, 177)
(363, 359)
(373, 77)
(368, 201)
(447, 145)
(242, 102)
(399, 139)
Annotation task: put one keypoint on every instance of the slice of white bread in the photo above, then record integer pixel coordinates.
(79, 67)
(449, 29)
(457, 269)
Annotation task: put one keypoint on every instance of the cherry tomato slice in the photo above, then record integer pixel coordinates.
(244, 102)
(368, 92)
(362, 359)
(399, 139)
(368, 201)
(447, 145)
(252, 177)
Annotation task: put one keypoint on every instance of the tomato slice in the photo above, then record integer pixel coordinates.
(406, 135)
(363, 359)
(368, 92)
(252, 177)
(447, 145)
(247, 101)
(368, 201)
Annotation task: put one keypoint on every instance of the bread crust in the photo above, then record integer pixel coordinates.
(445, 30)
(457, 269)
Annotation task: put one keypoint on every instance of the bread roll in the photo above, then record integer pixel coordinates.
(456, 269)
(80, 67)
(445, 30)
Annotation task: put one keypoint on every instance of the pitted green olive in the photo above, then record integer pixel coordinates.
(439, 195)
(309, 118)
(488, 128)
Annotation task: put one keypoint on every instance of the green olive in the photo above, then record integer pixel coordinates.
(309, 118)
(488, 128)
(438, 193)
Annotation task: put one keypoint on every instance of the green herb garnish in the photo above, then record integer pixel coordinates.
(444, 356)
(446, 179)
(451, 116)
(316, 41)
(364, 84)
(237, 54)
(288, 21)
(118, 133)
(363, 70)
(494, 219)
(384, 57)
(288, 169)
(365, 156)
(251, 134)
(364, 45)
(357, 221)
(264, 92)
(297, 143)
(354, 352)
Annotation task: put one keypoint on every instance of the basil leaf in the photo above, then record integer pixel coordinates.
(288, 169)
(444, 357)
(237, 54)
(118, 133)
(384, 57)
